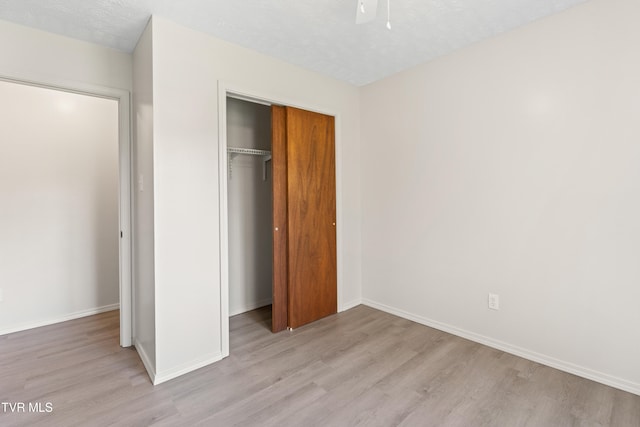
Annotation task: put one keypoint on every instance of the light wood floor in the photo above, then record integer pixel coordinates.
(360, 367)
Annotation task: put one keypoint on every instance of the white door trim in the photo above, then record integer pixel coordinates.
(231, 90)
(123, 98)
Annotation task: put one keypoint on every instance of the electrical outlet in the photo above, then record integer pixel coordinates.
(494, 301)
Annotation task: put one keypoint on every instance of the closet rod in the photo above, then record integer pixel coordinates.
(250, 151)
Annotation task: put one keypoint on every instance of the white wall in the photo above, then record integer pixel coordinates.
(512, 167)
(143, 248)
(250, 208)
(187, 68)
(59, 197)
(37, 55)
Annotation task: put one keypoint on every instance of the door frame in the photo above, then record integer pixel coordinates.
(225, 90)
(123, 98)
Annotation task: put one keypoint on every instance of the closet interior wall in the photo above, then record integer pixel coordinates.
(250, 207)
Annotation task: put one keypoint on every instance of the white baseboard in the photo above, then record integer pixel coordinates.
(349, 305)
(59, 319)
(151, 371)
(562, 365)
(250, 306)
(172, 373)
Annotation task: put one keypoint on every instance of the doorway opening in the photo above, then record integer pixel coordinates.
(65, 178)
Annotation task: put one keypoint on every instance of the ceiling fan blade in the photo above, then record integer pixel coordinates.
(366, 11)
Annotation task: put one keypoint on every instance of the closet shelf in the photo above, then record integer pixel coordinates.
(234, 151)
(250, 151)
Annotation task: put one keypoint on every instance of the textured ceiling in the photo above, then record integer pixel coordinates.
(320, 35)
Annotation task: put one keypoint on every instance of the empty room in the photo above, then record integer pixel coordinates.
(332, 213)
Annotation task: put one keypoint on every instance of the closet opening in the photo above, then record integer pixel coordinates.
(249, 206)
(278, 222)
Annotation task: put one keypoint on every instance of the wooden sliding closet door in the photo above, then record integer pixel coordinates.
(279, 305)
(311, 213)
(304, 253)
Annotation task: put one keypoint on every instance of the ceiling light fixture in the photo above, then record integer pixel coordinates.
(389, 14)
(366, 11)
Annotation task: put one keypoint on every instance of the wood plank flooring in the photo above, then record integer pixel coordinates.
(362, 367)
